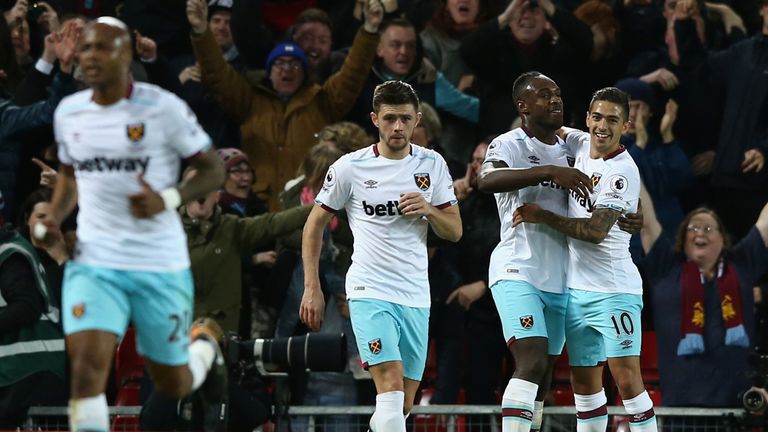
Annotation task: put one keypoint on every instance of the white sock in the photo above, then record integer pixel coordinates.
(89, 414)
(517, 405)
(388, 416)
(642, 417)
(538, 415)
(591, 412)
(201, 356)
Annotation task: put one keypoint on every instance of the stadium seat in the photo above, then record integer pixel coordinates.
(649, 359)
(129, 366)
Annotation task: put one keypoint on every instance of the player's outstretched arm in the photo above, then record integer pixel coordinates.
(594, 229)
(496, 176)
(312, 306)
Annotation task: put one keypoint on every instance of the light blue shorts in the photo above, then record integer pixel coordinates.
(158, 303)
(391, 332)
(599, 326)
(527, 311)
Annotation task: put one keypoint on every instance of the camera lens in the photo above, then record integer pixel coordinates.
(753, 400)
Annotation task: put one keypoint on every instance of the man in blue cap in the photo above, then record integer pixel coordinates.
(280, 113)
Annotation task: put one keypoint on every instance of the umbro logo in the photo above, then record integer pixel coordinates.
(370, 184)
(534, 160)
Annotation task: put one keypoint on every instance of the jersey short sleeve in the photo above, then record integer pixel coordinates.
(337, 187)
(620, 191)
(575, 140)
(498, 152)
(187, 137)
(63, 153)
(444, 195)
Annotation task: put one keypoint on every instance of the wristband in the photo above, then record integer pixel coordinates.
(171, 197)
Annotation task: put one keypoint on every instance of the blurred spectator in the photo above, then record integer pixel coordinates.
(184, 80)
(236, 197)
(346, 136)
(280, 114)
(29, 314)
(734, 81)
(608, 59)
(15, 119)
(400, 57)
(163, 22)
(252, 38)
(452, 20)
(664, 168)
(313, 32)
(702, 298)
(10, 71)
(522, 38)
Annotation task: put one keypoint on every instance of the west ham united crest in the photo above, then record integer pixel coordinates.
(135, 131)
(596, 179)
(526, 321)
(375, 346)
(422, 180)
(78, 310)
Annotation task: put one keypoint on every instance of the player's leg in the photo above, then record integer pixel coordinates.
(95, 313)
(377, 332)
(586, 353)
(162, 309)
(623, 338)
(554, 317)
(521, 309)
(414, 344)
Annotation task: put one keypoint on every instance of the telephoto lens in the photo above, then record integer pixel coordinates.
(311, 352)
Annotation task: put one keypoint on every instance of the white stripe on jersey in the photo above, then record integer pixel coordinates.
(108, 147)
(606, 267)
(534, 253)
(389, 261)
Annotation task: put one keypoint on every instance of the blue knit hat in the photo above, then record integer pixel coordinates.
(640, 91)
(287, 49)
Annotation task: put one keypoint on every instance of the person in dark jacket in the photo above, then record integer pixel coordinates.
(517, 41)
(29, 316)
(737, 80)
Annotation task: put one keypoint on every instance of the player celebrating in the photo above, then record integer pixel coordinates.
(118, 141)
(605, 289)
(527, 269)
(391, 191)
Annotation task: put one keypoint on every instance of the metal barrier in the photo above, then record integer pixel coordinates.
(433, 418)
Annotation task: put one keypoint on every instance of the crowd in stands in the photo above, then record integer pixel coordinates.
(284, 88)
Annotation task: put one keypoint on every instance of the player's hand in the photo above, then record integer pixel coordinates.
(632, 222)
(48, 175)
(146, 203)
(312, 306)
(373, 12)
(753, 161)
(528, 212)
(467, 294)
(572, 179)
(197, 14)
(146, 47)
(414, 204)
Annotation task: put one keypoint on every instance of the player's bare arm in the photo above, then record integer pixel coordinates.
(445, 222)
(593, 230)
(496, 176)
(312, 306)
(210, 176)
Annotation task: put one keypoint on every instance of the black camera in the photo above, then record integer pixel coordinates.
(310, 352)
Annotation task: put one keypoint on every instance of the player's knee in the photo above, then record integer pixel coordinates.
(532, 369)
(172, 385)
(628, 379)
(87, 371)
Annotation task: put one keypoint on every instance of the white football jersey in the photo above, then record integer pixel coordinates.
(389, 261)
(606, 267)
(108, 147)
(534, 253)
